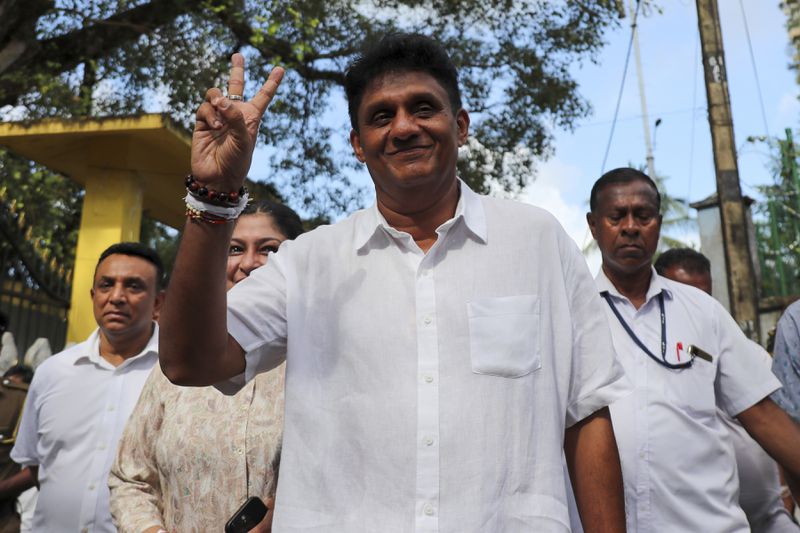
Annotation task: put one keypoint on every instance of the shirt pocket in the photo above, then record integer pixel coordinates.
(504, 335)
(692, 388)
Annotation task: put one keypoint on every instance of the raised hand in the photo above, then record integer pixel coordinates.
(226, 129)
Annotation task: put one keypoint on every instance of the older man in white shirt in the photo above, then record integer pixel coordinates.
(80, 399)
(444, 350)
(686, 357)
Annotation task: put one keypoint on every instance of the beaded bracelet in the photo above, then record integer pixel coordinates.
(203, 216)
(204, 194)
(200, 210)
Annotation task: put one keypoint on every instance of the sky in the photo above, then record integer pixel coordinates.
(675, 93)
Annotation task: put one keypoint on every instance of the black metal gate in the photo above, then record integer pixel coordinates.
(34, 291)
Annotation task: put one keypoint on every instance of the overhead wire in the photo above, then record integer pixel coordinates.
(694, 118)
(622, 85)
(755, 70)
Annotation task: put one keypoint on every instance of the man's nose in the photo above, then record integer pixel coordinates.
(404, 126)
(629, 224)
(118, 293)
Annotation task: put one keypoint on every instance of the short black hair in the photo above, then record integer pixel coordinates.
(24, 371)
(690, 260)
(621, 175)
(400, 52)
(285, 217)
(136, 249)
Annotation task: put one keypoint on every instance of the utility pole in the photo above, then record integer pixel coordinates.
(742, 287)
(651, 167)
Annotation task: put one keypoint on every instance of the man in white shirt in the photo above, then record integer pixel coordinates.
(686, 357)
(80, 399)
(445, 350)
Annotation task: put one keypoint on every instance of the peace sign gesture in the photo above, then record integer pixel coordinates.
(226, 128)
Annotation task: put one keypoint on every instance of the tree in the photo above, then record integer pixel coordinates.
(777, 220)
(81, 57)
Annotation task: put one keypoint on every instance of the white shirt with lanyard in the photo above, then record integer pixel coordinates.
(677, 458)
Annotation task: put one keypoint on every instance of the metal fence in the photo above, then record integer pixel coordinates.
(34, 292)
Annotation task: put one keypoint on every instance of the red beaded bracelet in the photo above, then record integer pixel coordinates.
(211, 196)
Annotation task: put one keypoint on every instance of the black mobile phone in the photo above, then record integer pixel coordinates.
(247, 516)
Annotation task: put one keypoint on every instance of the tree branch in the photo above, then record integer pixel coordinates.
(62, 53)
(272, 47)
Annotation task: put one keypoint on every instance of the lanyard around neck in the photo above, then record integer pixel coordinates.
(639, 343)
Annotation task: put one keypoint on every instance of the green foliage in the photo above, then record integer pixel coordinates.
(50, 202)
(128, 56)
(777, 222)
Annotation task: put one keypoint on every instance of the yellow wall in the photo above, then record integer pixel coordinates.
(112, 212)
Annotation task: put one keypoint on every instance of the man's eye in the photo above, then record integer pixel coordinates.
(425, 109)
(235, 250)
(381, 118)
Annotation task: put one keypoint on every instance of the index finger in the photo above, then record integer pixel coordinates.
(236, 80)
(267, 91)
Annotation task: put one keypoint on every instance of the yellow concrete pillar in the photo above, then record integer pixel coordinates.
(112, 212)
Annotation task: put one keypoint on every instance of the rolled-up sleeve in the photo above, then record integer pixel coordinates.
(598, 379)
(743, 380)
(257, 320)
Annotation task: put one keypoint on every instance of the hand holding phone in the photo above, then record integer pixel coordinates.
(248, 516)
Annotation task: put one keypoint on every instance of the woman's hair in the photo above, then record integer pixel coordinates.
(285, 218)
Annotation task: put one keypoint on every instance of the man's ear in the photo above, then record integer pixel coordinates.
(590, 220)
(160, 295)
(462, 122)
(355, 142)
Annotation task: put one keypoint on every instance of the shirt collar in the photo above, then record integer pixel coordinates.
(91, 352)
(469, 208)
(657, 286)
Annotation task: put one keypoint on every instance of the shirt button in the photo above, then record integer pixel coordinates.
(428, 320)
(85, 530)
(428, 379)
(110, 407)
(428, 441)
(641, 455)
(428, 509)
(91, 486)
(240, 451)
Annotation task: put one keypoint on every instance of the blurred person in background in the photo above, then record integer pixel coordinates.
(761, 494)
(80, 398)
(14, 480)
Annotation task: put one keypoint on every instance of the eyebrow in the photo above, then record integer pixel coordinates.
(258, 241)
(127, 279)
